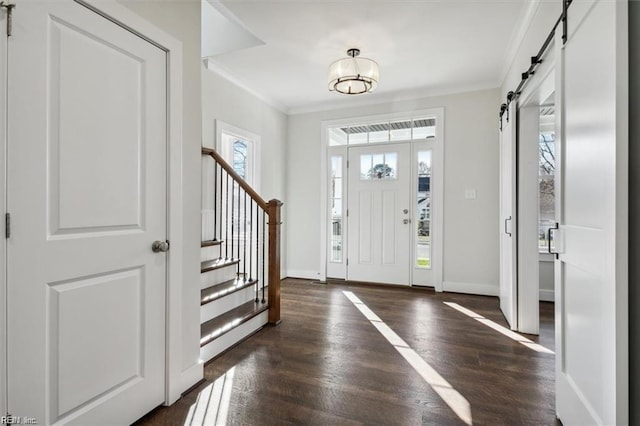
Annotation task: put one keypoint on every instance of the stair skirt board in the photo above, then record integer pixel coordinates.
(217, 276)
(220, 306)
(224, 342)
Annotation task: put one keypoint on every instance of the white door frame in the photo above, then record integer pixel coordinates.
(438, 175)
(222, 128)
(3, 209)
(126, 18)
(536, 92)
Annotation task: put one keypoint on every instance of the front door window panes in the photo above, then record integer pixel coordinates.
(379, 166)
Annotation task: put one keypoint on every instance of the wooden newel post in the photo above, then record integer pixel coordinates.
(274, 261)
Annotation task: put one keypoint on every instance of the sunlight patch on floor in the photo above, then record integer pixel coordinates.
(448, 393)
(212, 405)
(500, 329)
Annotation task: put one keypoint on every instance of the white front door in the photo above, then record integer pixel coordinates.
(379, 214)
(592, 370)
(87, 196)
(508, 238)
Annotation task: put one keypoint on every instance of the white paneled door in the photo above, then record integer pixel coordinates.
(379, 214)
(87, 196)
(592, 370)
(508, 225)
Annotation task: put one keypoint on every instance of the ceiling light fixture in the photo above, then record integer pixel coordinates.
(353, 75)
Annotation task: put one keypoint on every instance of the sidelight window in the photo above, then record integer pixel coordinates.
(423, 214)
(336, 209)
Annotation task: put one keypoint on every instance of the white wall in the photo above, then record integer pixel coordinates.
(471, 162)
(546, 274)
(181, 19)
(223, 100)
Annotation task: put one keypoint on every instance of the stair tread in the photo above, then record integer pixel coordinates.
(211, 243)
(210, 265)
(216, 327)
(218, 291)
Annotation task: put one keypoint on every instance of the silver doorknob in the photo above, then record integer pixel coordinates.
(160, 246)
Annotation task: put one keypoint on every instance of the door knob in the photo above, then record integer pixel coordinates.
(160, 246)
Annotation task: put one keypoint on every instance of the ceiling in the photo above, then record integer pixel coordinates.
(423, 47)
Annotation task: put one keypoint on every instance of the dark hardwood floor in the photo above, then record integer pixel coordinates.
(326, 364)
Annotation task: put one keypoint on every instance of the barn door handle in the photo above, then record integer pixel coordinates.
(160, 246)
(505, 226)
(556, 226)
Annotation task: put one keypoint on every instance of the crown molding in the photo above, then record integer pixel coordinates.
(517, 37)
(210, 64)
(406, 95)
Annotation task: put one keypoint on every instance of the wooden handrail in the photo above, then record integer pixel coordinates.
(243, 184)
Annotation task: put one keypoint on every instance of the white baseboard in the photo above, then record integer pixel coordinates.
(306, 274)
(471, 288)
(547, 295)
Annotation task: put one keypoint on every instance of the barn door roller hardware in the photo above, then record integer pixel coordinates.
(9, 8)
(537, 60)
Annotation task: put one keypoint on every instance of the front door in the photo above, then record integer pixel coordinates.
(87, 197)
(379, 214)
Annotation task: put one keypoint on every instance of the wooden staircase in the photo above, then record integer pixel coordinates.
(240, 259)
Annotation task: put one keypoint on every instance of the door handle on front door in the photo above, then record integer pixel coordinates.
(160, 246)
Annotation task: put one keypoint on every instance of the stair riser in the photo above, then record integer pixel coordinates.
(217, 276)
(210, 253)
(224, 304)
(231, 338)
(208, 215)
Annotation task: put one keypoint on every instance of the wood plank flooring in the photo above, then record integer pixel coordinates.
(326, 364)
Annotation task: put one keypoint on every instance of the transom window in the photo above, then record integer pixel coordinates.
(383, 131)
